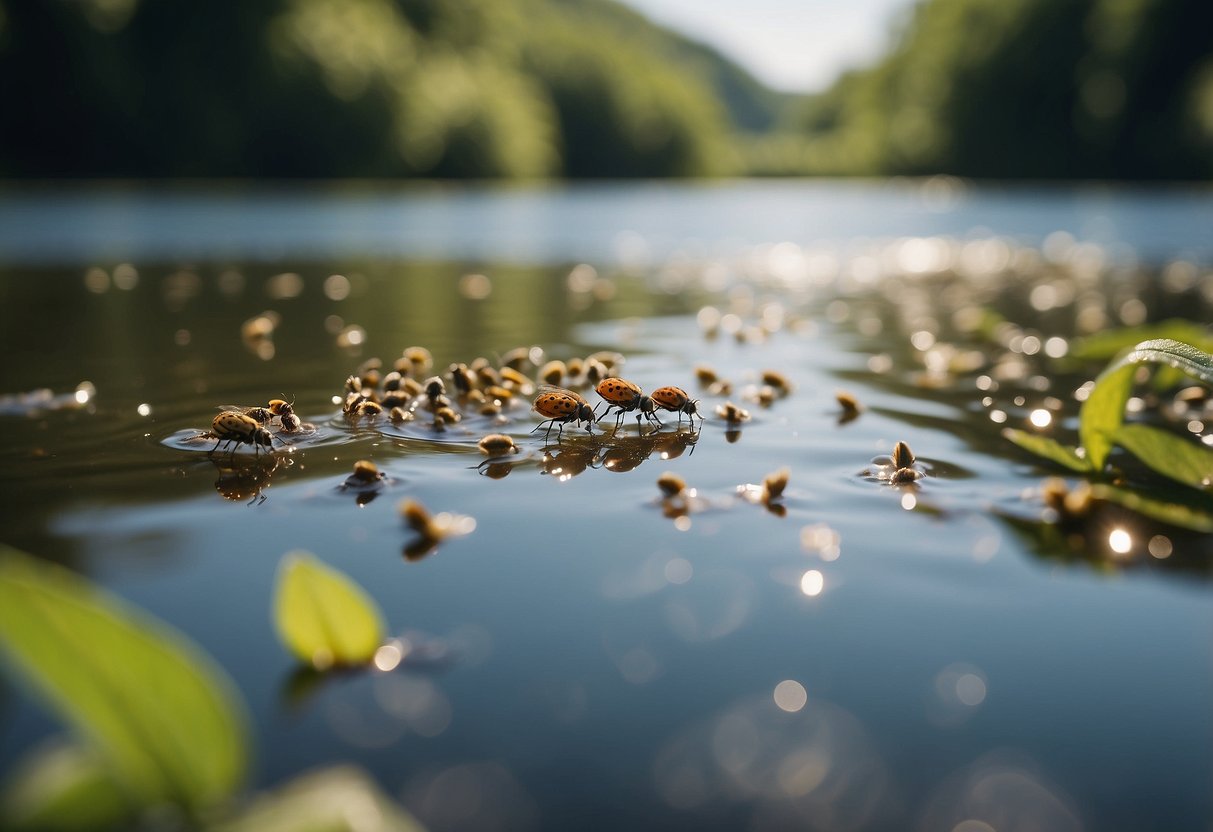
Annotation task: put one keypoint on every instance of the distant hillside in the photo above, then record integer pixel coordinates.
(1108, 89)
(322, 88)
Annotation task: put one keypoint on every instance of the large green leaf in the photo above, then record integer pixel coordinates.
(67, 787)
(1048, 448)
(1187, 514)
(1180, 459)
(1103, 412)
(1108, 344)
(340, 799)
(324, 617)
(156, 709)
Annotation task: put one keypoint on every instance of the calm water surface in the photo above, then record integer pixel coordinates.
(866, 656)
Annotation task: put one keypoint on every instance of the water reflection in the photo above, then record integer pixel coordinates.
(242, 479)
(1001, 790)
(791, 761)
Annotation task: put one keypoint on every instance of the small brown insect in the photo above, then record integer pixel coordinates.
(447, 415)
(434, 387)
(671, 485)
(261, 415)
(497, 444)
(419, 358)
(232, 427)
(463, 378)
(553, 372)
(777, 381)
(773, 484)
(849, 404)
(514, 378)
(677, 400)
(732, 414)
(366, 471)
(516, 358)
(399, 414)
(705, 374)
(625, 396)
(368, 408)
(903, 457)
(559, 406)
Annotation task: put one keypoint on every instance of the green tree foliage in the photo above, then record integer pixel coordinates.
(1031, 88)
(319, 88)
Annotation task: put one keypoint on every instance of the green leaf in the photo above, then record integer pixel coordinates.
(1050, 449)
(322, 616)
(340, 799)
(1107, 345)
(1103, 412)
(1182, 460)
(1185, 514)
(67, 787)
(156, 709)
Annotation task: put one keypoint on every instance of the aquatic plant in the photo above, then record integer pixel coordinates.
(159, 729)
(1102, 427)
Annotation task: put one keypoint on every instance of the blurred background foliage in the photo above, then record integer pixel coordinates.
(523, 89)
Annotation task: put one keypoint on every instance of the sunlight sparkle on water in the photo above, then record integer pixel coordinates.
(1120, 541)
(144, 409)
(812, 583)
(678, 570)
(791, 696)
(388, 656)
(908, 502)
(1040, 418)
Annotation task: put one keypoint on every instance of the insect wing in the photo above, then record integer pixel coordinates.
(618, 390)
(554, 405)
(671, 398)
(552, 388)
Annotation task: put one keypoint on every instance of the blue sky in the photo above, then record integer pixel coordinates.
(795, 45)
